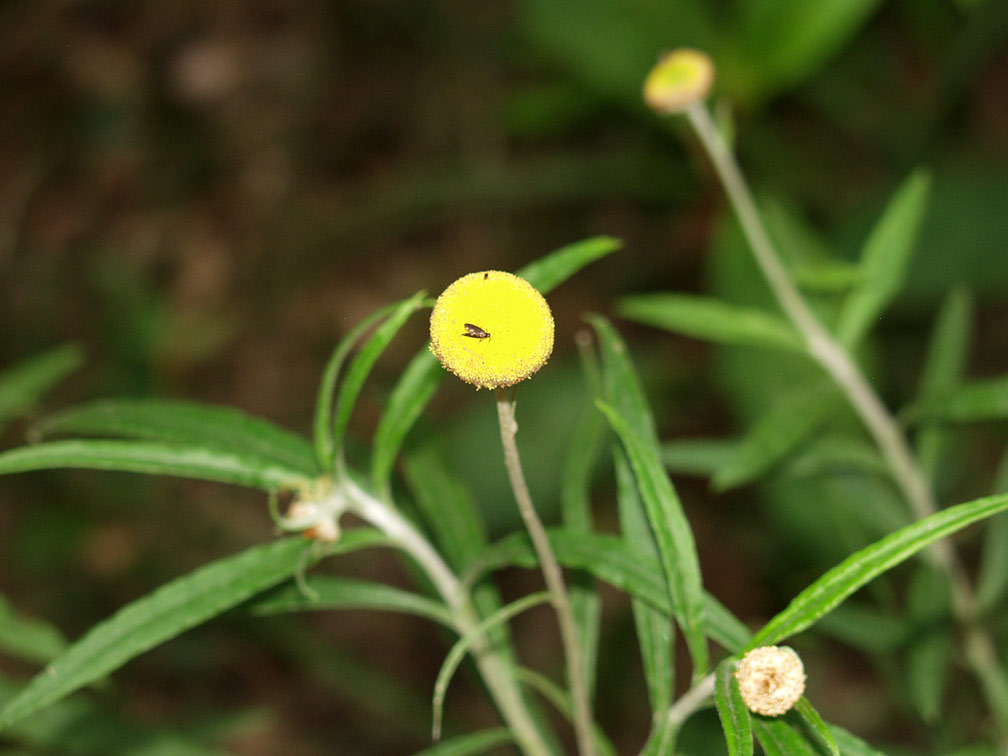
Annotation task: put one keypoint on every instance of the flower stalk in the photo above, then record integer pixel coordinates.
(553, 577)
(839, 364)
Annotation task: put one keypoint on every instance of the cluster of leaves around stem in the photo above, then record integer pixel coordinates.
(653, 559)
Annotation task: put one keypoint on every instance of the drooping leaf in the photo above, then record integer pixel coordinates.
(885, 259)
(471, 744)
(22, 385)
(697, 456)
(868, 628)
(26, 638)
(735, 719)
(868, 563)
(360, 367)
(157, 617)
(712, 320)
(187, 423)
(153, 458)
(463, 644)
(969, 402)
(326, 593)
(548, 272)
(777, 432)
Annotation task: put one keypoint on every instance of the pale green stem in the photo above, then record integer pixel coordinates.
(840, 365)
(553, 576)
(496, 672)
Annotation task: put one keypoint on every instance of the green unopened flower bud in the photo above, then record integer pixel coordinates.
(681, 78)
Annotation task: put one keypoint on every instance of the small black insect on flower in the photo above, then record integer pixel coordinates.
(475, 332)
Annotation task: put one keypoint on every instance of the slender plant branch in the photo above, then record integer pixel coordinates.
(496, 672)
(553, 577)
(840, 365)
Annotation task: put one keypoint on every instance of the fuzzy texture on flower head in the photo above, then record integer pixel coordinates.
(680, 78)
(771, 679)
(491, 329)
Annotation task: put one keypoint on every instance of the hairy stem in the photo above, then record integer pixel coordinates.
(553, 576)
(496, 672)
(841, 367)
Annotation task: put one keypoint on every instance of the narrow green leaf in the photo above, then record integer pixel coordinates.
(944, 364)
(169, 611)
(870, 562)
(885, 258)
(670, 531)
(833, 454)
(870, 629)
(672, 534)
(992, 575)
(948, 348)
(22, 385)
(970, 402)
(712, 320)
(326, 592)
(32, 640)
(735, 719)
(450, 513)
(548, 272)
(472, 744)
(414, 390)
(575, 503)
(851, 745)
(786, 41)
(154, 458)
(463, 644)
(817, 725)
(611, 560)
(323, 422)
(929, 610)
(621, 384)
(777, 432)
(779, 737)
(186, 423)
(447, 507)
(360, 366)
(654, 630)
(697, 456)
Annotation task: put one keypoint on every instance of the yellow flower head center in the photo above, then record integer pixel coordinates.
(491, 329)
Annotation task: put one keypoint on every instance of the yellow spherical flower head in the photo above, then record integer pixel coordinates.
(491, 329)
(680, 78)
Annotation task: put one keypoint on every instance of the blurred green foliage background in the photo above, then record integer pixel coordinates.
(206, 195)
